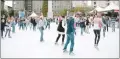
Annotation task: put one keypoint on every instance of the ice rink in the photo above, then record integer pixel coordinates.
(26, 44)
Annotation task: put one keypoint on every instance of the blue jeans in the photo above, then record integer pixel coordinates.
(41, 31)
(104, 30)
(13, 28)
(21, 26)
(70, 37)
(82, 30)
(113, 26)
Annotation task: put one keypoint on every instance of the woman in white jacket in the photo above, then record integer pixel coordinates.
(41, 27)
(97, 28)
(8, 26)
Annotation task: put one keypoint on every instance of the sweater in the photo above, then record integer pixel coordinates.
(70, 25)
(41, 23)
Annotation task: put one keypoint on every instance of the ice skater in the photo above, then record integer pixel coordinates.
(97, 28)
(113, 20)
(82, 25)
(104, 20)
(41, 28)
(87, 25)
(2, 26)
(70, 34)
(13, 25)
(61, 30)
(8, 26)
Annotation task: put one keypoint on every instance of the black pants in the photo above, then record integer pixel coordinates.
(2, 33)
(97, 36)
(7, 31)
(107, 27)
(34, 27)
(104, 30)
(63, 36)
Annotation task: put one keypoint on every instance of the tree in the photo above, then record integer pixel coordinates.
(45, 8)
(85, 9)
(4, 12)
(11, 13)
(63, 12)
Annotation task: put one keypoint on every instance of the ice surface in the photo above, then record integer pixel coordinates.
(26, 44)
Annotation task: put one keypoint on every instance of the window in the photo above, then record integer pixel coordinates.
(94, 3)
(55, 6)
(108, 3)
(94, 6)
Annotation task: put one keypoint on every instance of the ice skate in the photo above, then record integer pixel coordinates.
(65, 51)
(56, 43)
(71, 53)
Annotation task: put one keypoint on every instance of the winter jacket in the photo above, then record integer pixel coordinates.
(87, 22)
(70, 25)
(82, 23)
(105, 20)
(2, 26)
(98, 24)
(40, 23)
(34, 22)
(60, 27)
(8, 25)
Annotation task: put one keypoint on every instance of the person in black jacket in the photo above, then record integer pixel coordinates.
(33, 23)
(2, 26)
(87, 25)
(61, 31)
(82, 25)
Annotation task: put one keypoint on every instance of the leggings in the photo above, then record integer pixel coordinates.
(97, 36)
(63, 36)
(2, 33)
(7, 31)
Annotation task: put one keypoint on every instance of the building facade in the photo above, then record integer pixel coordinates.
(79, 3)
(104, 3)
(2, 4)
(36, 5)
(57, 6)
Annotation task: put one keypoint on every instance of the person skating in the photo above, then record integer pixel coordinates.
(82, 25)
(2, 26)
(104, 20)
(113, 20)
(8, 26)
(77, 18)
(48, 23)
(34, 24)
(13, 25)
(21, 24)
(97, 28)
(41, 28)
(61, 30)
(70, 34)
(87, 26)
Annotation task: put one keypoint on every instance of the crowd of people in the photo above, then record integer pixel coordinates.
(98, 22)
